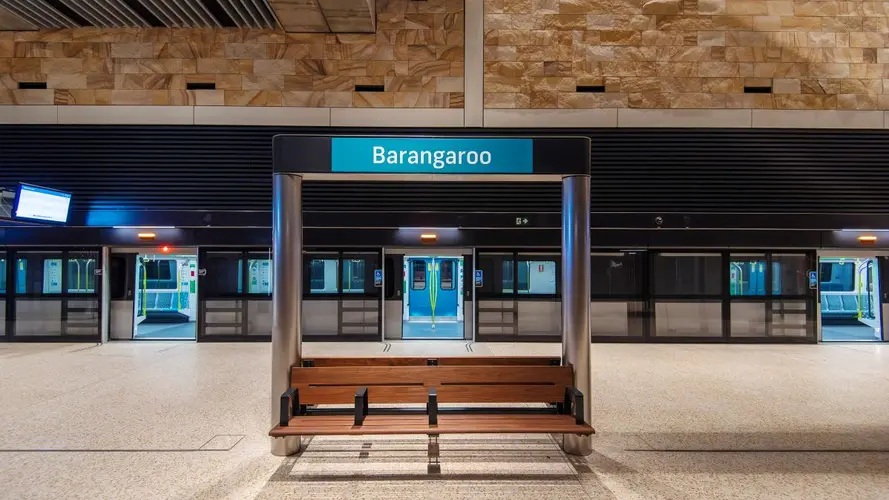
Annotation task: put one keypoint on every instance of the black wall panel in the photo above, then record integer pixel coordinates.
(633, 170)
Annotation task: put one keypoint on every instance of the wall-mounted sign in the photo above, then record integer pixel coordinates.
(813, 280)
(378, 278)
(431, 155)
(479, 278)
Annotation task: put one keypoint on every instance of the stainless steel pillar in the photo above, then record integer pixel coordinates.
(105, 325)
(287, 243)
(576, 297)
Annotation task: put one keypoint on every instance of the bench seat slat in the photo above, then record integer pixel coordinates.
(517, 393)
(418, 424)
(432, 375)
(447, 361)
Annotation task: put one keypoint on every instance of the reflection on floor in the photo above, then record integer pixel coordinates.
(840, 333)
(415, 330)
(165, 331)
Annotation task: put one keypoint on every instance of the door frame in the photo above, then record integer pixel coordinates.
(853, 253)
(152, 250)
(432, 251)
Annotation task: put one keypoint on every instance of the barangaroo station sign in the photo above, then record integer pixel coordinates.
(343, 157)
(431, 155)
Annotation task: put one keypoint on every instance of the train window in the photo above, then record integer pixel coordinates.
(616, 274)
(418, 275)
(259, 275)
(790, 274)
(118, 279)
(38, 273)
(223, 276)
(160, 274)
(507, 274)
(322, 275)
(353, 275)
(446, 275)
(747, 275)
(537, 277)
(81, 273)
(687, 274)
(2, 273)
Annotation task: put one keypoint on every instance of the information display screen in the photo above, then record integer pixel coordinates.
(39, 203)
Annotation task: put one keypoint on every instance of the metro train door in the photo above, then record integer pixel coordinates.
(433, 297)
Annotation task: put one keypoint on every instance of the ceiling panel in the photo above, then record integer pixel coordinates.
(49, 14)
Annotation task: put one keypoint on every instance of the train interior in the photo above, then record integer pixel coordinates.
(850, 299)
(433, 297)
(166, 297)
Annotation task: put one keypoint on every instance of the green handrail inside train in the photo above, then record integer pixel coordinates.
(433, 287)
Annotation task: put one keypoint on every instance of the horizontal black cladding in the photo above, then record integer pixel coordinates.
(740, 171)
(702, 171)
(369, 196)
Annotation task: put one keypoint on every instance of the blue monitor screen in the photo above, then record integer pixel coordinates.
(38, 203)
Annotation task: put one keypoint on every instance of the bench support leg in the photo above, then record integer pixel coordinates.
(432, 407)
(361, 405)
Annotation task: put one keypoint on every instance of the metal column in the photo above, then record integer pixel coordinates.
(576, 297)
(105, 317)
(287, 243)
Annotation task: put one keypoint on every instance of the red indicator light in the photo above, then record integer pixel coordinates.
(165, 249)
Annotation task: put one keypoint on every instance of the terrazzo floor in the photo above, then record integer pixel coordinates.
(147, 420)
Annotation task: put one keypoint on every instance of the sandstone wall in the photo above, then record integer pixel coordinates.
(416, 54)
(686, 53)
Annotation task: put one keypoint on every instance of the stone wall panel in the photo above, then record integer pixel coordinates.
(686, 53)
(416, 55)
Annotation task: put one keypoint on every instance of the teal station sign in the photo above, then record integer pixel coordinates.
(431, 155)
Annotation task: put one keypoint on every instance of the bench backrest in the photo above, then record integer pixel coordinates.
(453, 384)
(430, 361)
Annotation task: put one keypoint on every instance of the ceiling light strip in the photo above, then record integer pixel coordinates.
(212, 19)
(161, 13)
(130, 14)
(248, 7)
(122, 11)
(55, 18)
(201, 12)
(227, 9)
(89, 13)
(174, 14)
(150, 6)
(273, 18)
(263, 9)
(53, 14)
(261, 12)
(241, 20)
(119, 19)
(187, 16)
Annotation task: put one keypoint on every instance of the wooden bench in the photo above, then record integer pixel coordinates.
(360, 385)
